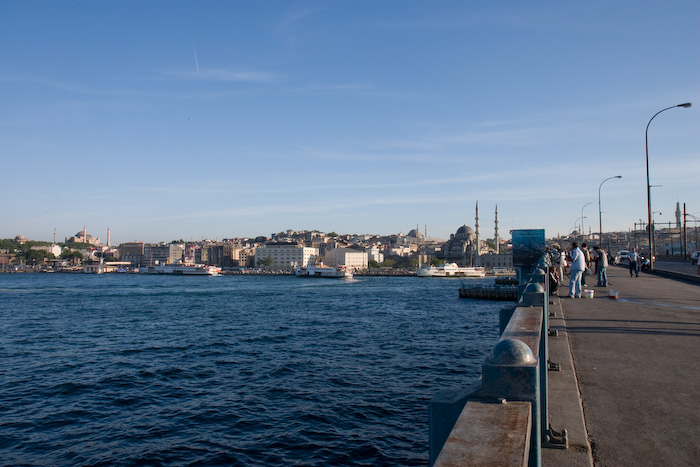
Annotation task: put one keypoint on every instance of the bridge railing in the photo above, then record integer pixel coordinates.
(500, 418)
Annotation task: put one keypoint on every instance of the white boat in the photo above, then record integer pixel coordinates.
(182, 269)
(503, 272)
(340, 272)
(451, 270)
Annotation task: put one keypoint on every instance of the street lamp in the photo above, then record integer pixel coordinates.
(600, 214)
(583, 232)
(646, 140)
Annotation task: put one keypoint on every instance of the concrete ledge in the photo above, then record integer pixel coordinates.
(445, 409)
(525, 325)
(489, 434)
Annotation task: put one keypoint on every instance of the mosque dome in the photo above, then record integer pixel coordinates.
(415, 233)
(465, 232)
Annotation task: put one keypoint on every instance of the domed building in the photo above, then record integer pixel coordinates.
(461, 247)
(83, 237)
(466, 248)
(415, 237)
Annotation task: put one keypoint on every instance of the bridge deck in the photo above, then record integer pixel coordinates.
(636, 361)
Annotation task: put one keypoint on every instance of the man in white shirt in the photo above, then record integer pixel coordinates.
(634, 261)
(602, 262)
(578, 265)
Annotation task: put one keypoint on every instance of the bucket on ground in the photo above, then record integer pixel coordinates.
(612, 294)
(588, 293)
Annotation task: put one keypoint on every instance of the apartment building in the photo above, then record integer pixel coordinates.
(495, 260)
(162, 254)
(347, 257)
(284, 255)
(132, 252)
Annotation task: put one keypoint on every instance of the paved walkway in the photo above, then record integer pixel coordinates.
(677, 266)
(636, 360)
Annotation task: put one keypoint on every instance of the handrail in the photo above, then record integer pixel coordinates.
(516, 370)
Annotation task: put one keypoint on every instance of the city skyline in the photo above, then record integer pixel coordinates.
(218, 120)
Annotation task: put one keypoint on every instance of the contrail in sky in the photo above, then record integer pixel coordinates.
(196, 62)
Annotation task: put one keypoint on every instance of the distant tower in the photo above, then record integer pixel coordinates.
(476, 226)
(54, 235)
(496, 231)
(678, 215)
(108, 236)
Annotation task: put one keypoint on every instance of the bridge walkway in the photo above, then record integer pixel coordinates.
(636, 363)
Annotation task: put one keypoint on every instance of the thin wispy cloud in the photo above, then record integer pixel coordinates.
(224, 75)
(324, 88)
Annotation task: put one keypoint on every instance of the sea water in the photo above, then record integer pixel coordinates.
(233, 370)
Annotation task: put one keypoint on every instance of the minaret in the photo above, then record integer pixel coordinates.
(85, 233)
(108, 237)
(678, 215)
(478, 236)
(496, 232)
(54, 235)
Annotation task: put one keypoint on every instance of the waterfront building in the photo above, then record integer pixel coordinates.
(54, 249)
(284, 255)
(246, 257)
(495, 260)
(348, 257)
(6, 257)
(225, 255)
(163, 254)
(131, 252)
(374, 254)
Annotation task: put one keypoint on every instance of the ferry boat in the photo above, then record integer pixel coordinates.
(451, 270)
(182, 269)
(341, 272)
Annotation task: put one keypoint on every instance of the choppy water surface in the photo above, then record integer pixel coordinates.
(232, 370)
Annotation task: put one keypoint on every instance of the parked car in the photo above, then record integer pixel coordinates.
(622, 255)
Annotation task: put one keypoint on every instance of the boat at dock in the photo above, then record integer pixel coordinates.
(451, 270)
(340, 272)
(181, 269)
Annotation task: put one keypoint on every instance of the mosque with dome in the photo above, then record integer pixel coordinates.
(466, 248)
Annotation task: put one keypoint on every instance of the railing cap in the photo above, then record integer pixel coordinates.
(534, 287)
(511, 352)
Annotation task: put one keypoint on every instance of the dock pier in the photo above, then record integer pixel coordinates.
(616, 381)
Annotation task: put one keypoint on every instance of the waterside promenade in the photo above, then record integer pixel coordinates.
(635, 372)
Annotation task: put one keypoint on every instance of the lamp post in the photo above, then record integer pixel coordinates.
(600, 213)
(646, 140)
(583, 232)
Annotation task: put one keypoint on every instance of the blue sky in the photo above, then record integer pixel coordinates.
(183, 119)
